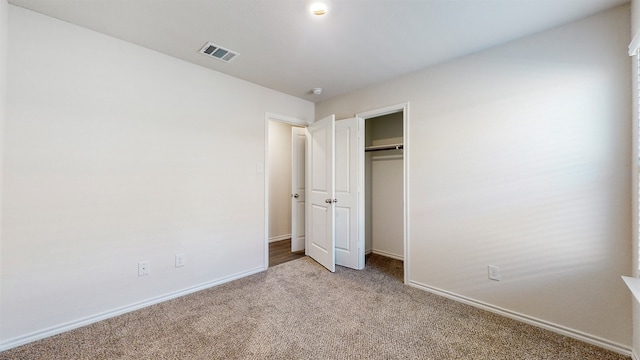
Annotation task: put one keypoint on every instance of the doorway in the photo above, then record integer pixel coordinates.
(384, 146)
(386, 188)
(280, 228)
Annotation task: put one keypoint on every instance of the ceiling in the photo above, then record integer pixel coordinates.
(283, 47)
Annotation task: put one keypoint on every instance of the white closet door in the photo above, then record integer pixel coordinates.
(320, 231)
(349, 169)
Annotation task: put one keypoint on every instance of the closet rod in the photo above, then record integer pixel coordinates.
(384, 147)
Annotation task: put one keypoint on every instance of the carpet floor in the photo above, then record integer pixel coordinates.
(298, 310)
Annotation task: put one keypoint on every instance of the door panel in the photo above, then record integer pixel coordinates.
(320, 240)
(349, 209)
(320, 179)
(343, 238)
(298, 144)
(320, 231)
(344, 141)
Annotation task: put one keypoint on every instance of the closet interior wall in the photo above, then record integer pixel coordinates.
(384, 187)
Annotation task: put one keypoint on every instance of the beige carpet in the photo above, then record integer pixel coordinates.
(298, 310)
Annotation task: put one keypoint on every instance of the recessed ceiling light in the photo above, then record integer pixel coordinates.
(318, 9)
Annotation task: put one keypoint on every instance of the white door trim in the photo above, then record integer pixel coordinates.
(285, 119)
(404, 107)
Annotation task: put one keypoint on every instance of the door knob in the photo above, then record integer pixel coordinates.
(296, 196)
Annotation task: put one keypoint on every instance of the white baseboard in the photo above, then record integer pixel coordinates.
(634, 356)
(579, 335)
(388, 254)
(280, 238)
(58, 329)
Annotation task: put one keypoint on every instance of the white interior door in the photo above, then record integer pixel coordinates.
(320, 231)
(349, 208)
(298, 143)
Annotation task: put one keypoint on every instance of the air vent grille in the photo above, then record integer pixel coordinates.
(218, 52)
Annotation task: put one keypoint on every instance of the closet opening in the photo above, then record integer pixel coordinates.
(384, 189)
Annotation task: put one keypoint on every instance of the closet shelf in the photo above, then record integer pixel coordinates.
(384, 147)
(634, 285)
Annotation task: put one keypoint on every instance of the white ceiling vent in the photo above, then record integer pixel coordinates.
(218, 52)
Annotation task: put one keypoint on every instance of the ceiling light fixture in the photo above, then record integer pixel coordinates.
(317, 91)
(319, 9)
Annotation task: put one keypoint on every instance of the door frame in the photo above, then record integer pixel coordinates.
(404, 107)
(284, 119)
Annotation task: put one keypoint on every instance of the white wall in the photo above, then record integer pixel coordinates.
(279, 180)
(4, 28)
(116, 154)
(520, 158)
(635, 29)
(387, 203)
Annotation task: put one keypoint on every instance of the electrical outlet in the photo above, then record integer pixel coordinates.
(180, 259)
(494, 273)
(143, 268)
